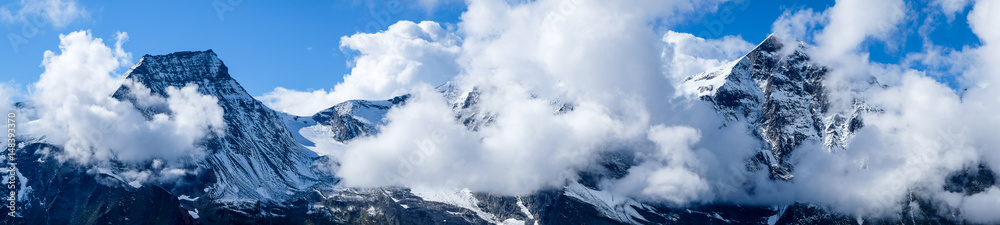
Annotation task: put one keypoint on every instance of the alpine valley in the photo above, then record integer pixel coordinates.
(261, 170)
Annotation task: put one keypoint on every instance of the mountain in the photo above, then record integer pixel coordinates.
(356, 118)
(257, 158)
(779, 93)
(255, 163)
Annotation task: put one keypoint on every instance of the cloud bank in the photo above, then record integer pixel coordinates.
(527, 60)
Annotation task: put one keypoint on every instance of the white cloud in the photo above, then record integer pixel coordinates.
(685, 55)
(798, 25)
(981, 103)
(982, 20)
(388, 63)
(192, 111)
(908, 147)
(981, 208)
(59, 13)
(528, 148)
(951, 7)
(939, 61)
(75, 110)
(602, 57)
(669, 175)
(853, 21)
(982, 98)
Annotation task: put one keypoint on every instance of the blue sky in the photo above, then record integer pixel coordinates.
(265, 45)
(296, 46)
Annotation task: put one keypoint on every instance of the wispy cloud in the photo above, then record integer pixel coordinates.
(387, 65)
(58, 13)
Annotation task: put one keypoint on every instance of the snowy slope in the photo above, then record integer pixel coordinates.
(354, 118)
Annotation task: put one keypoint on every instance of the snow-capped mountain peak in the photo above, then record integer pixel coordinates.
(779, 92)
(257, 158)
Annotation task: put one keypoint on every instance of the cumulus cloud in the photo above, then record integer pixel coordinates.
(528, 148)
(59, 13)
(951, 7)
(387, 64)
(670, 177)
(980, 19)
(980, 208)
(853, 21)
(526, 59)
(75, 110)
(685, 55)
(798, 24)
(982, 99)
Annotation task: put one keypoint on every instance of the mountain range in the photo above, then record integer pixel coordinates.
(262, 171)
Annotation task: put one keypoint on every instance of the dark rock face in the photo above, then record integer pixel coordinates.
(785, 91)
(610, 165)
(465, 102)
(63, 193)
(971, 181)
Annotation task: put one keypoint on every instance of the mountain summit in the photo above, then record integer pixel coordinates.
(779, 93)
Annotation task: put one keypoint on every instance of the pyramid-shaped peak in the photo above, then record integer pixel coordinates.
(179, 68)
(777, 44)
(204, 68)
(772, 43)
(206, 58)
(186, 54)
